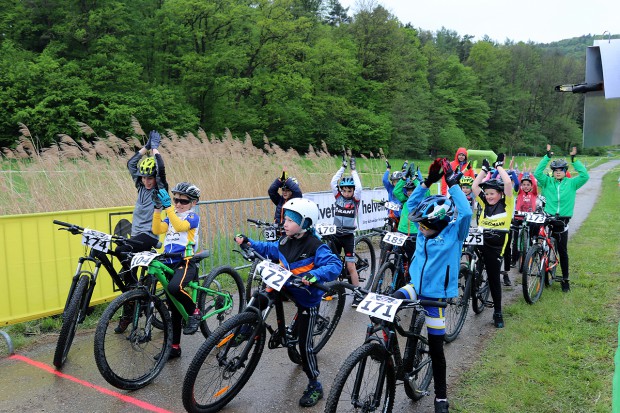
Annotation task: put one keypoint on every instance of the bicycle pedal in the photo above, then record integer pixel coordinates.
(488, 304)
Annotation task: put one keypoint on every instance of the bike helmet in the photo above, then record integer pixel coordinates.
(307, 210)
(496, 184)
(396, 175)
(466, 180)
(147, 167)
(559, 164)
(410, 184)
(347, 182)
(294, 180)
(434, 212)
(187, 189)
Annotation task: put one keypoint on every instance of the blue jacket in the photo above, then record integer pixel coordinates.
(300, 256)
(277, 199)
(390, 190)
(436, 262)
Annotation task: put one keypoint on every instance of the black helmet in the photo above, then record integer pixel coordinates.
(187, 189)
(293, 180)
(410, 184)
(496, 184)
(559, 164)
(434, 212)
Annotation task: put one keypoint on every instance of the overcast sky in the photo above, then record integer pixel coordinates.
(541, 21)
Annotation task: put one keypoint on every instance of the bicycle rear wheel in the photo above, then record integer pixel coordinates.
(70, 318)
(365, 382)
(330, 311)
(419, 379)
(224, 363)
(132, 359)
(533, 274)
(365, 263)
(383, 281)
(480, 288)
(456, 312)
(224, 280)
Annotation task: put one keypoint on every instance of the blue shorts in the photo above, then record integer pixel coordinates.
(435, 319)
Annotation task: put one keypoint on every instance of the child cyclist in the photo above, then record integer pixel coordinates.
(527, 201)
(300, 251)
(390, 179)
(289, 188)
(559, 190)
(348, 193)
(497, 202)
(181, 228)
(443, 225)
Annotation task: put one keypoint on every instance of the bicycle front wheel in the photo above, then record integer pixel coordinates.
(365, 263)
(70, 318)
(419, 379)
(552, 263)
(480, 288)
(384, 280)
(330, 311)
(456, 312)
(365, 383)
(223, 280)
(129, 351)
(224, 363)
(533, 274)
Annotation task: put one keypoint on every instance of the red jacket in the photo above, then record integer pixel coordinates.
(456, 167)
(526, 201)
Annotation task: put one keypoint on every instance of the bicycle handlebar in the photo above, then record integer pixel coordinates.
(362, 291)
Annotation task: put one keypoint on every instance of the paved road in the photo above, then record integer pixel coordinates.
(28, 382)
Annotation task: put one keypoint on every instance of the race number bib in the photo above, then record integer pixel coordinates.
(474, 237)
(392, 206)
(273, 274)
(380, 306)
(535, 218)
(99, 241)
(325, 229)
(270, 234)
(395, 238)
(143, 259)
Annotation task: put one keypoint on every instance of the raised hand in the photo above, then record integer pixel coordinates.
(283, 177)
(352, 163)
(166, 202)
(499, 161)
(434, 172)
(387, 164)
(573, 152)
(486, 167)
(154, 140)
(549, 153)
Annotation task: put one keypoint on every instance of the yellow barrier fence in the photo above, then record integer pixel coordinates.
(38, 261)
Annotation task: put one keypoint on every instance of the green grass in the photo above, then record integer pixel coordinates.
(557, 355)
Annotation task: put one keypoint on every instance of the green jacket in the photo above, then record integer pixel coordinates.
(403, 225)
(560, 195)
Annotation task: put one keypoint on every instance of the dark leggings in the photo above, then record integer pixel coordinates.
(561, 242)
(492, 257)
(175, 286)
(139, 243)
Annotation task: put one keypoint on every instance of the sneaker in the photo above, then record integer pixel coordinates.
(498, 320)
(441, 406)
(123, 323)
(312, 395)
(356, 301)
(174, 353)
(507, 282)
(193, 322)
(565, 286)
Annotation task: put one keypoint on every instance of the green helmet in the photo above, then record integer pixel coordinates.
(147, 167)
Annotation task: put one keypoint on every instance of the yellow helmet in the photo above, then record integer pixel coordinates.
(147, 167)
(466, 180)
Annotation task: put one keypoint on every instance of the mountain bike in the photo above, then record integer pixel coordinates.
(226, 361)
(541, 261)
(97, 248)
(366, 381)
(393, 273)
(476, 271)
(133, 358)
(364, 252)
(270, 232)
(521, 238)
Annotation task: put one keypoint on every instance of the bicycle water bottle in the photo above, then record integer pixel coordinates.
(189, 250)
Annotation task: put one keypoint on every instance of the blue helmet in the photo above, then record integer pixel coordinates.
(347, 182)
(434, 212)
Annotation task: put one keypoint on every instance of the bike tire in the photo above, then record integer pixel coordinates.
(419, 379)
(456, 312)
(365, 262)
(254, 281)
(132, 359)
(70, 320)
(552, 261)
(215, 374)
(382, 283)
(533, 274)
(222, 279)
(480, 288)
(364, 366)
(330, 311)
(524, 246)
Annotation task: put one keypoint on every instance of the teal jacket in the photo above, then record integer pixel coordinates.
(560, 195)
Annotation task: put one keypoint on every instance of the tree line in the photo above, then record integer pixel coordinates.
(298, 72)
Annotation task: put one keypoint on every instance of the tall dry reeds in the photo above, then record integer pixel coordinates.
(90, 171)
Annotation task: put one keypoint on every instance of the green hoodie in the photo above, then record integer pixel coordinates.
(403, 225)
(560, 195)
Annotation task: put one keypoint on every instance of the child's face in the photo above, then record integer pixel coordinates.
(347, 192)
(149, 182)
(559, 174)
(461, 157)
(291, 227)
(492, 196)
(182, 203)
(526, 186)
(426, 231)
(466, 189)
(286, 194)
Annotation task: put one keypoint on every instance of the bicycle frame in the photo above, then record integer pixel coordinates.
(544, 239)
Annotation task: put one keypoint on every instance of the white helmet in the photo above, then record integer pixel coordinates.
(304, 207)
